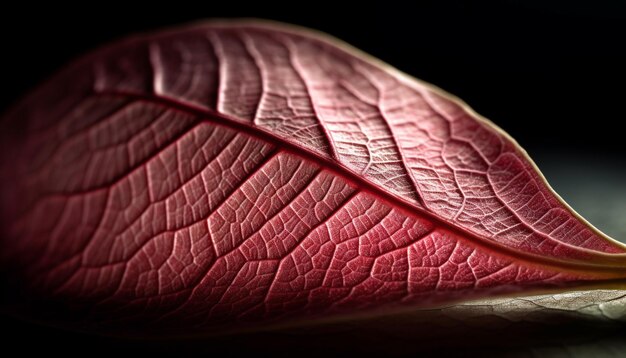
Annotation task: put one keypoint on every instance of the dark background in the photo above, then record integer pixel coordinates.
(552, 74)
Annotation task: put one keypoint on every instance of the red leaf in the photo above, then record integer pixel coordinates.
(239, 172)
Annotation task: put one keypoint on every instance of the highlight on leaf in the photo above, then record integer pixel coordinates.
(223, 173)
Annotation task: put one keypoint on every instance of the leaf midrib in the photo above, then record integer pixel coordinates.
(611, 265)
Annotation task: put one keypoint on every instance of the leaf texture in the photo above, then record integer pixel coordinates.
(235, 172)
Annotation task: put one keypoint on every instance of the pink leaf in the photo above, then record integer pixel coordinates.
(249, 172)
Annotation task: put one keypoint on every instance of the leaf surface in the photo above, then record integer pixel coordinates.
(225, 173)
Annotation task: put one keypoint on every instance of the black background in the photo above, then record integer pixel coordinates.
(552, 74)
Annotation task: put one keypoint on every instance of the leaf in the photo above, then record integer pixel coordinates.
(576, 323)
(203, 177)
